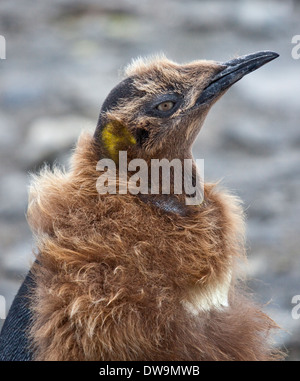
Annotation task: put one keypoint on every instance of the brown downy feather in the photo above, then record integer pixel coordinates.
(115, 274)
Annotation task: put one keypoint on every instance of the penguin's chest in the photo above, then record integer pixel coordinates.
(206, 298)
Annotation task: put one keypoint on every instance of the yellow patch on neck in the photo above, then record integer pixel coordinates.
(115, 138)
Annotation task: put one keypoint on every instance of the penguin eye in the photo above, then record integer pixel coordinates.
(165, 106)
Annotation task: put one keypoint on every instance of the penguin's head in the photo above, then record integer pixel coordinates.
(160, 106)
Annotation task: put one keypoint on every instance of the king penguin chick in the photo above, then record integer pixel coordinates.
(123, 276)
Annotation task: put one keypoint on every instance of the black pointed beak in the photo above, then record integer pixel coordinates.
(233, 71)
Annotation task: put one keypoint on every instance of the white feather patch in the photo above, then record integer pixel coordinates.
(201, 299)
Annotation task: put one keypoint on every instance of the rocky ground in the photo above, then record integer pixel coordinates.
(62, 58)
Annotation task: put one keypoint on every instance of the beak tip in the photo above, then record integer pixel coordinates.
(271, 54)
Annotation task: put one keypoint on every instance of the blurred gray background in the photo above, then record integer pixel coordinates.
(63, 57)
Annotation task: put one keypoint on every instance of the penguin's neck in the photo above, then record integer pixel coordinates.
(172, 185)
(178, 189)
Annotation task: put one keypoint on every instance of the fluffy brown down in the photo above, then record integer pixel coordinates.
(113, 274)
